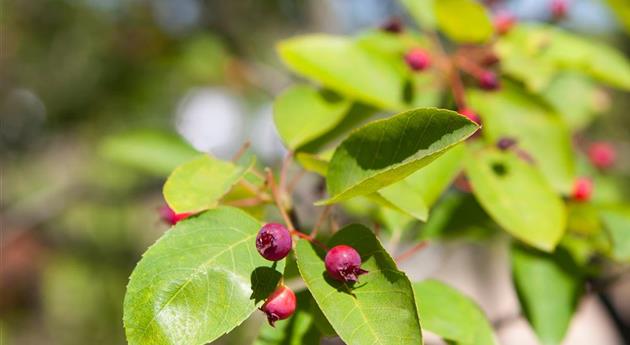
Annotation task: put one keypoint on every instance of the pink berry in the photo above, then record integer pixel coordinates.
(503, 22)
(559, 9)
(602, 155)
(273, 241)
(280, 305)
(582, 189)
(418, 59)
(343, 263)
(470, 114)
(488, 81)
(171, 217)
(394, 25)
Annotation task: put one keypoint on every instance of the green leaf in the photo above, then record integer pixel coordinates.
(621, 8)
(299, 329)
(548, 287)
(517, 197)
(402, 195)
(386, 151)
(617, 222)
(200, 280)
(511, 112)
(155, 152)
(379, 309)
(464, 21)
(313, 163)
(303, 113)
(422, 12)
(340, 64)
(452, 315)
(574, 97)
(199, 184)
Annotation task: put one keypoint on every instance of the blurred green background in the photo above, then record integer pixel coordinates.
(101, 99)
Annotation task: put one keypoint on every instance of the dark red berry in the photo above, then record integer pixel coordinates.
(280, 305)
(503, 22)
(470, 114)
(582, 189)
(602, 155)
(488, 81)
(273, 241)
(343, 263)
(559, 9)
(506, 143)
(170, 217)
(394, 25)
(418, 59)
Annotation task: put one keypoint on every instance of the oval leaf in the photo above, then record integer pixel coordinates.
(341, 65)
(379, 309)
(617, 221)
(517, 197)
(386, 151)
(199, 184)
(200, 280)
(464, 21)
(303, 113)
(452, 315)
(548, 287)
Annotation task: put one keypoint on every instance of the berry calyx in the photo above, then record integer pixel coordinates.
(602, 155)
(343, 263)
(582, 189)
(488, 81)
(506, 143)
(417, 59)
(394, 26)
(273, 241)
(470, 114)
(170, 217)
(503, 22)
(279, 305)
(559, 9)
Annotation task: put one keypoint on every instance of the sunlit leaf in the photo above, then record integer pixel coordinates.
(617, 222)
(465, 21)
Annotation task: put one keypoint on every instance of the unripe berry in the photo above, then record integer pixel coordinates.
(506, 143)
(602, 155)
(417, 59)
(488, 81)
(343, 263)
(280, 305)
(470, 114)
(169, 216)
(582, 189)
(394, 25)
(273, 241)
(559, 9)
(503, 22)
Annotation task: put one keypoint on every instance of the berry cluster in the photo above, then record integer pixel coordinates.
(274, 242)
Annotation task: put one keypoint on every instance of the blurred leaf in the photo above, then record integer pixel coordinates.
(583, 218)
(621, 8)
(452, 315)
(464, 21)
(403, 195)
(422, 12)
(200, 280)
(617, 222)
(299, 329)
(313, 163)
(151, 151)
(517, 197)
(199, 184)
(379, 309)
(386, 151)
(513, 113)
(548, 287)
(341, 65)
(574, 98)
(303, 113)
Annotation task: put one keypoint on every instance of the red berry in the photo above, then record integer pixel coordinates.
(559, 9)
(280, 305)
(504, 21)
(273, 241)
(602, 155)
(343, 263)
(394, 25)
(170, 217)
(582, 189)
(417, 59)
(470, 114)
(488, 81)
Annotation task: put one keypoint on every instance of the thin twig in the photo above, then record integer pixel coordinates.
(283, 171)
(310, 239)
(241, 151)
(411, 251)
(276, 197)
(294, 181)
(322, 216)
